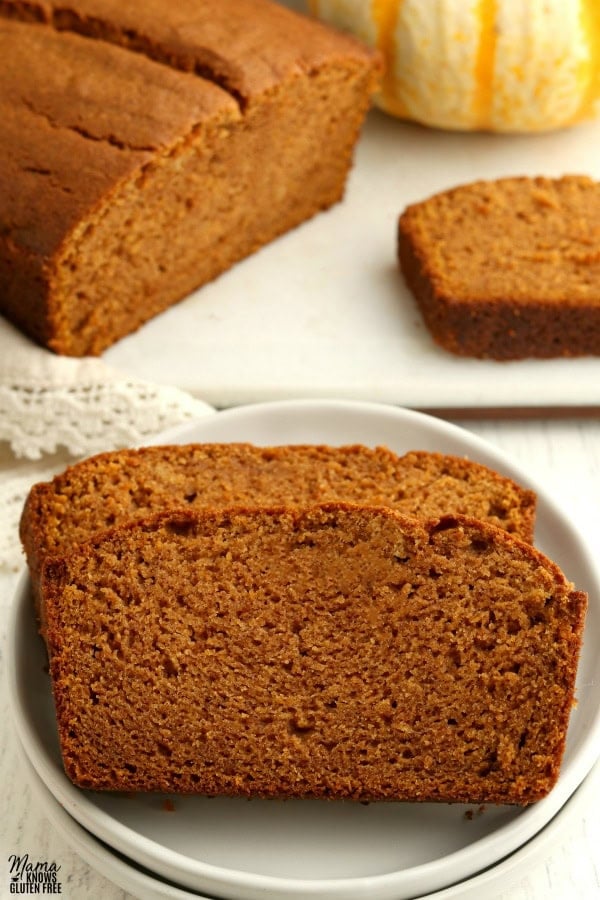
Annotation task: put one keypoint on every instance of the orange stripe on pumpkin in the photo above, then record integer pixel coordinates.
(590, 75)
(485, 61)
(385, 15)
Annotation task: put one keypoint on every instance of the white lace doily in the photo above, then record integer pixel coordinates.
(54, 410)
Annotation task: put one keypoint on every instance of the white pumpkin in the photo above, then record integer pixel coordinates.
(497, 65)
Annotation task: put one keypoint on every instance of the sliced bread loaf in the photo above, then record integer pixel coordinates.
(147, 147)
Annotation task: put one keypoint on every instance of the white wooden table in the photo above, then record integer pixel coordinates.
(564, 454)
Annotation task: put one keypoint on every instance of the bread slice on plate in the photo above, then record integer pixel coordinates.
(335, 651)
(113, 488)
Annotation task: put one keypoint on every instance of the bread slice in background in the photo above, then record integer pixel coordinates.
(507, 269)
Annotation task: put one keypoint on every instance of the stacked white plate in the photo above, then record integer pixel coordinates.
(145, 885)
(244, 850)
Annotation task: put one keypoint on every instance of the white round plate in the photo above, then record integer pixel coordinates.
(147, 886)
(318, 849)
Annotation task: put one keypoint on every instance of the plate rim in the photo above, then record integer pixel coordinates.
(544, 838)
(350, 886)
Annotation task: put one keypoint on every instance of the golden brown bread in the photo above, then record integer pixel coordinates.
(337, 651)
(112, 488)
(508, 269)
(146, 147)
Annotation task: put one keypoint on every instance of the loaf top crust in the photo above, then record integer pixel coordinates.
(110, 85)
(81, 116)
(332, 651)
(513, 240)
(249, 46)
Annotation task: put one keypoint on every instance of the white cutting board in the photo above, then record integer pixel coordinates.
(323, 311)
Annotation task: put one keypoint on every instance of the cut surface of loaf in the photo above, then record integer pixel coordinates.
(145, 148)
(337, 651)
(508, 269)
(112, 488)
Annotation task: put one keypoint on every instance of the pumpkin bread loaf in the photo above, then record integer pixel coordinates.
(112, 488)
(508, 269)
(146, 147)
(338, 651)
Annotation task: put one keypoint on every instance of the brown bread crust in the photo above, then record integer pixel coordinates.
(336, 651)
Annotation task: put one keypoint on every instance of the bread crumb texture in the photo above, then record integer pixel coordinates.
(333, 651)
(508, 269)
